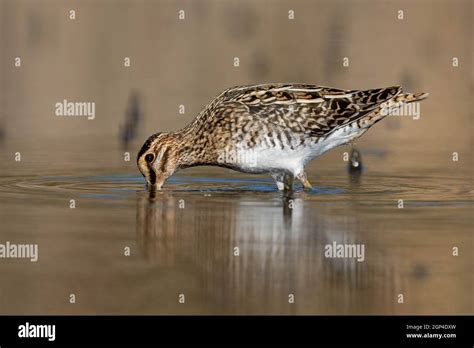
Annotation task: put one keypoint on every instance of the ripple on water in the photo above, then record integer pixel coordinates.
(425, 192)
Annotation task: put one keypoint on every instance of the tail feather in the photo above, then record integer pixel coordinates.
(386, 108)
(411, 97)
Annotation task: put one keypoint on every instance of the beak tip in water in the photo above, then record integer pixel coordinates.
(153, 187)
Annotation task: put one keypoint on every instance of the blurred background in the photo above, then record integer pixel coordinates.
(179, 61)
(188, 62)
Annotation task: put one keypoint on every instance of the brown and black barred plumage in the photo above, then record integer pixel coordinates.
(270, 128)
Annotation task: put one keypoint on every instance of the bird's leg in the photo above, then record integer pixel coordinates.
(301, 176)
(288, 182)
(284, 181)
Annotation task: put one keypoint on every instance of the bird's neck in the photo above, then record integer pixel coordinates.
(192, 149)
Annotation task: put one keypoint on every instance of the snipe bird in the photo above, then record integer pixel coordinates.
(269, 128)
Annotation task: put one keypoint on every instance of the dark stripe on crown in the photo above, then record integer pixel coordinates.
(146, 146)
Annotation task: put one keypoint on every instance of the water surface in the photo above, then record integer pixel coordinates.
(182, 240)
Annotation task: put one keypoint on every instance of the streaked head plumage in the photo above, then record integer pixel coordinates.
(156, 160)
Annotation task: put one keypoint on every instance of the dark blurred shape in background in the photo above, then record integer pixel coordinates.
(355, 161)
(355, 166)
(133, 116)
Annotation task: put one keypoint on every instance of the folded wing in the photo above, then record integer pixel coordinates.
(309, 109)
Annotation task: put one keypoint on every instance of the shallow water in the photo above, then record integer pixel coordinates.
(182, 241)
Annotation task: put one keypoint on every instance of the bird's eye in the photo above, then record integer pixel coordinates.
(149, 158)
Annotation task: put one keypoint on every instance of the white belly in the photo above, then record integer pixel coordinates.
(264, 159)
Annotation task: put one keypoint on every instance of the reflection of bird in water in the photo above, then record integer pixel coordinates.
(200, 240)
(280, 252)
(133, 117)
(272, 128)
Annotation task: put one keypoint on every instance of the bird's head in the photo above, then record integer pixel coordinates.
(157, 159)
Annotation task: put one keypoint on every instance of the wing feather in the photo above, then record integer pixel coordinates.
(310, 109)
